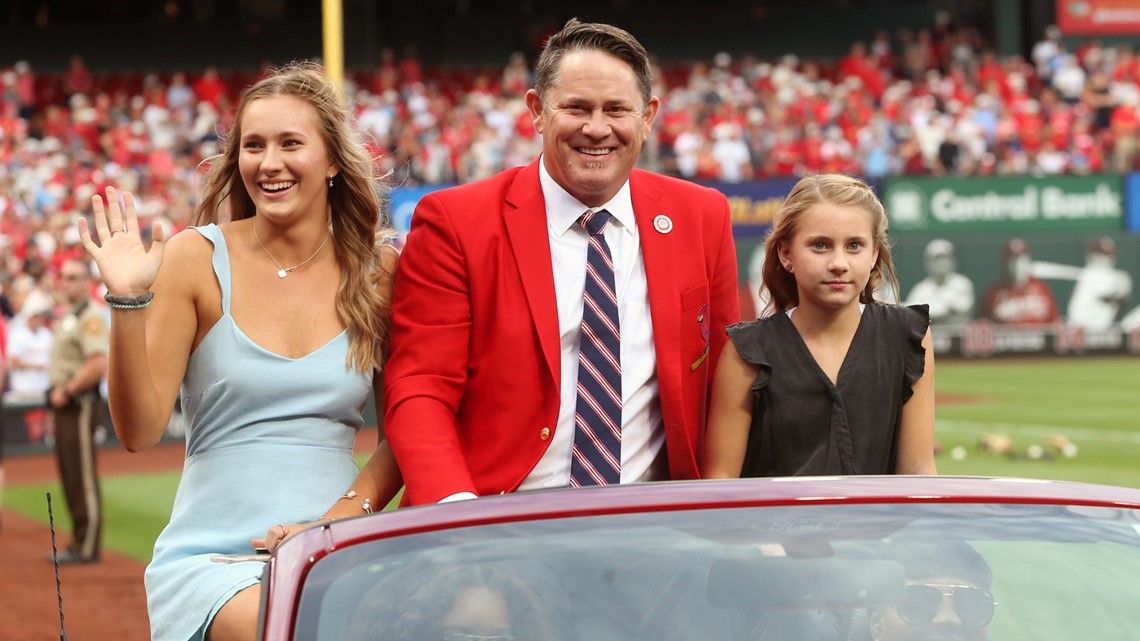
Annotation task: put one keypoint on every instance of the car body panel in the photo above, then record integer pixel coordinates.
(288, 570)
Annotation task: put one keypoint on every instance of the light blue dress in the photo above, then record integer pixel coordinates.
(268, 440)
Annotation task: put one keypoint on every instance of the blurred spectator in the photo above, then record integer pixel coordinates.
(78, 79)
(1048, 53)
(1069, 79)
(1050, 161)
(1125, 123)
(879, 159)
(517, 76)
(949, 152)
(1097, 96)
(24, 85)
(210, 88)
(386, 77)
(180, 96)
(29, 354)
(731, 154)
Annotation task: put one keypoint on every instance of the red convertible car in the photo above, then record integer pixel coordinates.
(797, 559)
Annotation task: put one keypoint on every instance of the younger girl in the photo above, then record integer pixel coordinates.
(832, 382)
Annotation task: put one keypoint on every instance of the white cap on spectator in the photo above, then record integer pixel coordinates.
(35, 306)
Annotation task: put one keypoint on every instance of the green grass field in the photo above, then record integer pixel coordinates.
(1093, 402)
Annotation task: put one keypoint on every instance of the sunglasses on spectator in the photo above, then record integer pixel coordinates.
(72, 276)
(974, 606)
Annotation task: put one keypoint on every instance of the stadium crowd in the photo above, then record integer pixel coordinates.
(931, 101)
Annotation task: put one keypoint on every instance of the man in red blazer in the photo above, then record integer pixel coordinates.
(481, 382)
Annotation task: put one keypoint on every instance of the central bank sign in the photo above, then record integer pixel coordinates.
(1005, 204)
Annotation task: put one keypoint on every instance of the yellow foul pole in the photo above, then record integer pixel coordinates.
(333, 19)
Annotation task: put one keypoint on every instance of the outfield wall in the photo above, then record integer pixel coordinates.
(1053, 262)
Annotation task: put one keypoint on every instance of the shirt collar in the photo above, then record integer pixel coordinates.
(564, 210)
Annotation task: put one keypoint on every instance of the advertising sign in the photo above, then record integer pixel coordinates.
(1132, 202)
(753, 204)
(1028, 294)
(1098, 17)
(1020, 204)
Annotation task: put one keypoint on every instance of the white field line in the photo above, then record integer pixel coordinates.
(1073, 433)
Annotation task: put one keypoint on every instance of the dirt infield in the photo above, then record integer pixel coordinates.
(103, 600)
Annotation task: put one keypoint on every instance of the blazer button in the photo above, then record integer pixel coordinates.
(544, 433)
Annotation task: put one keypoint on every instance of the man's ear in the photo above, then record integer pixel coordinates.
(534, 106)
(650, 115)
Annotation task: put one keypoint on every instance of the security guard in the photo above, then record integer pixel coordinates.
(78, 365)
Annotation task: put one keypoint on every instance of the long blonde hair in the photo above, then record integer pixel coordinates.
(835, 189)
(359, 226)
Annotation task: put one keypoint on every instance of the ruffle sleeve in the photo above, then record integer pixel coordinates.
(747, 338)
(916, 320)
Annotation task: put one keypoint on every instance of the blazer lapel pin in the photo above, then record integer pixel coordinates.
(663, 224)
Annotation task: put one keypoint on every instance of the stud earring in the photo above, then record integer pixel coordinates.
(330, 182)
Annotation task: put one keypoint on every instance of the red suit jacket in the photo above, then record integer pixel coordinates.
(472, 383)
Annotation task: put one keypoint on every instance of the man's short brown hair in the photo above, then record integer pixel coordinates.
(593, 36)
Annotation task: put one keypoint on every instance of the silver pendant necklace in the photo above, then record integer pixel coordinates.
(282, 272)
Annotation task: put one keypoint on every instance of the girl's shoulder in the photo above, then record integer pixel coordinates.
(910, 319)
(902, 333)
(751, 337)
(749, 328)
(191, 246)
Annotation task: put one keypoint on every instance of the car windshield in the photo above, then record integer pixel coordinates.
(888, 572)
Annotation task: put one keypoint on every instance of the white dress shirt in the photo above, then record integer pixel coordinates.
(642, 433)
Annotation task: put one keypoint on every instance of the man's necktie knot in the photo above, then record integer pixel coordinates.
(595, 221)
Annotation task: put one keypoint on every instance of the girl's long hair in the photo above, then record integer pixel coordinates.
(359, 226)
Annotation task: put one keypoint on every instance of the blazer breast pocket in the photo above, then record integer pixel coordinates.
(695, 297)
(695, 311)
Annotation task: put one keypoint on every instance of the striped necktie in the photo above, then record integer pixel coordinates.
(596, 457)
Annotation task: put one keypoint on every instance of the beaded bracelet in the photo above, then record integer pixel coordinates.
(128, 302)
